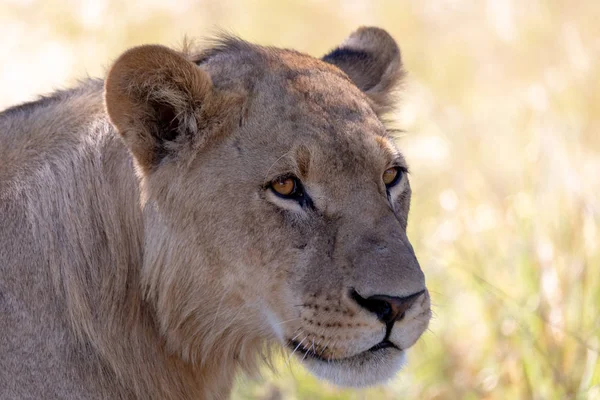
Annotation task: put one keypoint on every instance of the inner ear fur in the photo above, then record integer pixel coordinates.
(160, 102)
(372, 60)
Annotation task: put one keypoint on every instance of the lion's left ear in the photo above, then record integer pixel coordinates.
(371, 59)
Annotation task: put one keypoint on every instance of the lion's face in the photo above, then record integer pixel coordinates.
(276, 204)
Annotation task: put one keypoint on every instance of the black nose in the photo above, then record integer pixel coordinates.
(387, 308)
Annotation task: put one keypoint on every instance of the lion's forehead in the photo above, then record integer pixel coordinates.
(292, 83)
(323, 112)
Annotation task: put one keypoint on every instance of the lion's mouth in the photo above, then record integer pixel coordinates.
(384, 344)
(308, 352)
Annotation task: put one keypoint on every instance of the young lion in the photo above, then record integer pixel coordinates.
(161, 230)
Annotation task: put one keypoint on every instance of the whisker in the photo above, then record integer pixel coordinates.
(317, 345)
(299, 344)
(432, 332)
(323, 350)
(276, 161)
(305, 354)
(299, 333)
(289, 320)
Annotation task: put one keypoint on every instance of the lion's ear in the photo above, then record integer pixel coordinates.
(158, 101)
(371, 58)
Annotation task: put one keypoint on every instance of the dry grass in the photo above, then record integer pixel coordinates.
(501, 111)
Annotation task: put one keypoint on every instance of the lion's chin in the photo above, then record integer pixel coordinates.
(371, 367)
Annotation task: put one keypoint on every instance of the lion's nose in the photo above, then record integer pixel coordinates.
(387, 308)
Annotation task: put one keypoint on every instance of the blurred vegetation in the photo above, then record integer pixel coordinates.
(501, 113)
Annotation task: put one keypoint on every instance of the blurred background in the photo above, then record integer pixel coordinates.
(501, 113)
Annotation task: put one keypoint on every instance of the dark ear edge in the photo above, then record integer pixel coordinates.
(153, 96)
(372, 60)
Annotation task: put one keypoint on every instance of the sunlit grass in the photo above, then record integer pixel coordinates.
(501, 112)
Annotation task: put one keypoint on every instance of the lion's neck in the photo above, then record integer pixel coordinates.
(106, 309)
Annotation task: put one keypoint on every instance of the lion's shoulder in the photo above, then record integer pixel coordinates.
(33, 134)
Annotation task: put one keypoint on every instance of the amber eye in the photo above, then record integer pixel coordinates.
(391, 176)
(285, 187)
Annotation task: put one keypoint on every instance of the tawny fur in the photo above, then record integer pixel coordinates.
(142, 255)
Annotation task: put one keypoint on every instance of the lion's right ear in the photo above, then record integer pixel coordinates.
(159, 101)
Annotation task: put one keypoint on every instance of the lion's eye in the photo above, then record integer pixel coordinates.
(286, 186)
(391, 176)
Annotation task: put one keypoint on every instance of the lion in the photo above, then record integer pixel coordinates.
(172, 225)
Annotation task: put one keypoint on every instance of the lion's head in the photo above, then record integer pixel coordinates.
(275, 203)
